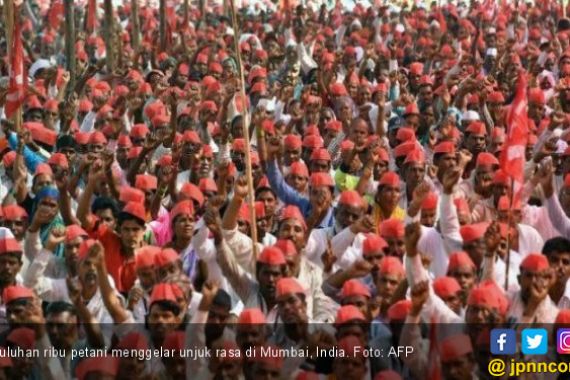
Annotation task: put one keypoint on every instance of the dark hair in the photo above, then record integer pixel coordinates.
(167, 305)
(557, 244)
(59, 307)
(222, 299)
(105, 203)
(125, 216)
(65, 141)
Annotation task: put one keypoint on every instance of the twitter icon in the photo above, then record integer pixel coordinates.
(534, 341)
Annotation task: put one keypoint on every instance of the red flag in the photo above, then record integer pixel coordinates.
(512, 158)
(434, 358)
(17, 86)
(91, 23)
(56, 14)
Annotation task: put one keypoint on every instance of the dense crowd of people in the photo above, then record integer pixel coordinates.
(410, 180)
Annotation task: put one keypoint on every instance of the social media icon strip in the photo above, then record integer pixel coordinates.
(563, 341)
(534, 341)
(503, 342)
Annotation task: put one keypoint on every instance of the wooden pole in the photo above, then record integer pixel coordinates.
(162, 30)
(70, 41)
(109, 35)
(251, 199)
(136, 29)
(11, 12)
(508, 257)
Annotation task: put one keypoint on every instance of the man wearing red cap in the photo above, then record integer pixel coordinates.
(532, 304)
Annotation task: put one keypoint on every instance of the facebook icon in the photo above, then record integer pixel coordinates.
(503, 341)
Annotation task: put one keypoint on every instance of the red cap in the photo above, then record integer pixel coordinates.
(135, 209)
(165, 257)
(74, 231)
(164, 292)
(41, 133)
(139, 131)
(338, 89)
(59, 159)
(405, 134)
(271, 256)
(313, 142)
(85, 106)
(455, 346)
(160, 119)
(15, 292)
(388, 375)
(107, 365)
(293, 141)
(501, 178)
(400, 310)
(391, 265)
(496, 97)
(292, 212)
(404, 148)
(287, 247)
(43, 169)
(416, 68)
(14, 212)
(321, 179)
(411, 109)
(459, 259)
(536, 95)
(10, 245)
(354, 288)
(390, 179)
(183, 207)
(445, 147)
(416, 156)
(252, 316)
(209, 106)
(145, 257)
(238, 145)
(165, 160)
(504, 204)
(320, 154)
(534, 262)
(446, 286)
(300, 169)
(334, 125)
(311, 129)
(130, 194)
(8, 159)
(346, 146)
(22, 337)
(488, 296)
(373, 244)
(97, 138)
(174, 341)
(288, 285)
(133, 341)
(430, 201)
(193, 192)
(348, 313)
(563, 317)
(392, 228)
(352, 346)
(146, 182)
(472, 232)
(207, 185)
(307, 375)
(485, 158)
(351, 198)
(477, 128)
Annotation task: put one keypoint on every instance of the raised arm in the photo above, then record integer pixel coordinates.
(112, 302)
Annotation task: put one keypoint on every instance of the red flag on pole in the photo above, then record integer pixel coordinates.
(17, 85)
(434, 357)
(512, 157)
(91, 23)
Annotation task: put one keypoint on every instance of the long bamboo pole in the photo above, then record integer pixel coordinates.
(248, 172)
(70, 41)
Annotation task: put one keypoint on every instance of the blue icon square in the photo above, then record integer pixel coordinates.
(503, 341)
(534, 341)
